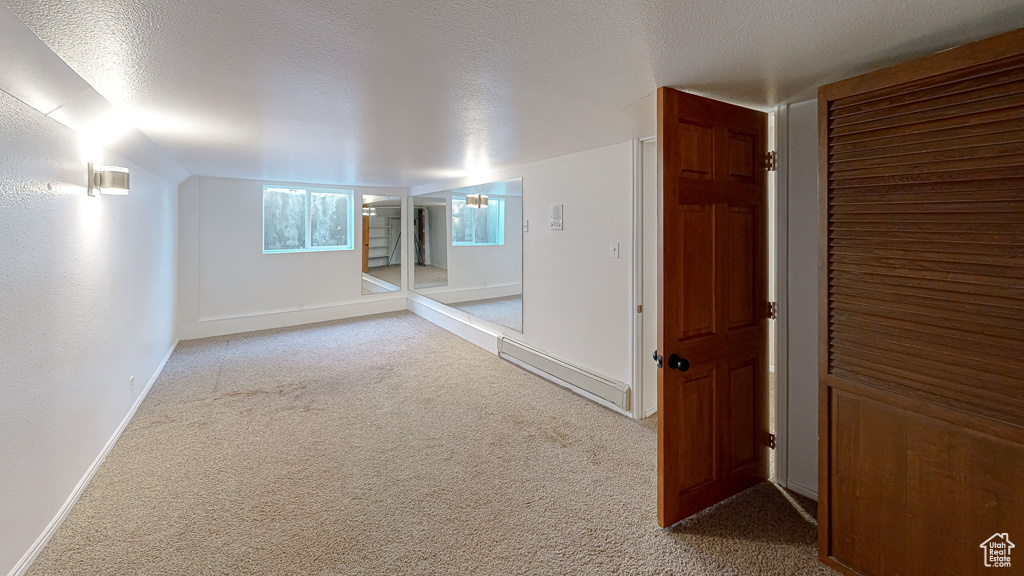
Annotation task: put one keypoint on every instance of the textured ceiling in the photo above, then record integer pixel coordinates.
(403, 93)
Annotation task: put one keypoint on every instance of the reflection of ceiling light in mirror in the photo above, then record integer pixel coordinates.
(476, 200)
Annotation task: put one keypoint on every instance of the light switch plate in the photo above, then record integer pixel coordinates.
(613, 250)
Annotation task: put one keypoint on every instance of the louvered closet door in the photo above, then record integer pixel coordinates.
(922, 312)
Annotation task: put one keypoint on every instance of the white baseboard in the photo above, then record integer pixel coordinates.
(445, 295)
(567, 385)
(607, 391)
(650, 412)
(802, 489)
(33, 552)
(236, 325)
(455, 321)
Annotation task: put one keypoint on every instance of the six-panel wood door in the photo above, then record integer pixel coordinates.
(712, 302)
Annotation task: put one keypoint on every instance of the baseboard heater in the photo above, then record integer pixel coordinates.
(563, 373)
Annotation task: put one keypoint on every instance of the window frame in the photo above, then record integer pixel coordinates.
(307, 207)
(500, 234)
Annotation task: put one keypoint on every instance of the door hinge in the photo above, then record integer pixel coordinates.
(773, 311)
(770, 441)
(769, 161)
(640, 309)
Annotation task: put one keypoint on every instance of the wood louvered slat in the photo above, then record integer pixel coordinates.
(931, 319)
(1007, 201)
(883, 380)
(956, 289)
(941, 375)
(987, 127)
(988, 73)
(1004, 220)
(1013, 171)
(958, 144)
(937, 352)
(925, 232)
(959, 157)
(994, 86)
(1010, 118)
(994, 347)
(902, 293)
(952, 249)
(986, 185)
(912, 167)
(934, 312)
(911, 121)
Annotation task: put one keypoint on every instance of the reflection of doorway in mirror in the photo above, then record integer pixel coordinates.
(382, 245)
(431, 243)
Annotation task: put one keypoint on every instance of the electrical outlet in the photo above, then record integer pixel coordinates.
(301, 305)
(526, 225)
(131, 384)
(613, 250)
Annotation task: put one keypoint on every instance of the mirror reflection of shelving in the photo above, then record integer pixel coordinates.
(382, 244)
(381, 249)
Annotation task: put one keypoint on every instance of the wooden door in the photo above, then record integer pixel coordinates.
(366, 243)
(712, 308)
(921, 183)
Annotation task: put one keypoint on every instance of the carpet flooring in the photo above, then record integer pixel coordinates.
(505, 311)
(429, 276)
(385, 445)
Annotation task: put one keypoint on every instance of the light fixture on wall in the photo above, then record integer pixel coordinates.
(111, 180)
(476, 200)
(369, 211)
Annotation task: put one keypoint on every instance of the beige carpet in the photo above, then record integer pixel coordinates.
(505, 311)
(390, 274)
(388, 446)
(429, 276)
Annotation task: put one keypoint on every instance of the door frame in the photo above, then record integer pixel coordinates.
(778, 270)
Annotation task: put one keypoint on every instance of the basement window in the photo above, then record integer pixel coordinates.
(307, 219)
(484, 226)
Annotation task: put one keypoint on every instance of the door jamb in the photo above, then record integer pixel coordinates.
(639, 355)
(781, 272)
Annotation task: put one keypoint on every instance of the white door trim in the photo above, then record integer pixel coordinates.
(639, 354)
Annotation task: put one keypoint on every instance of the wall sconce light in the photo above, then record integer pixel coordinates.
(108, 180)
(476, 200)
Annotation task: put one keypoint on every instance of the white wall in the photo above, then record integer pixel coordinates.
(576, 299)
(228, 285)
(802, 303)
(87, 286)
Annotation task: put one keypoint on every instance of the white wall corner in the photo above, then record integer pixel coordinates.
(463, 325)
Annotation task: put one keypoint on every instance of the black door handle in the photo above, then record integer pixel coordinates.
(677, 363)
(657, 358)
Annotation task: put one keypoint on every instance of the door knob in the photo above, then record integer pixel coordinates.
(677, 363)
(657, 358)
